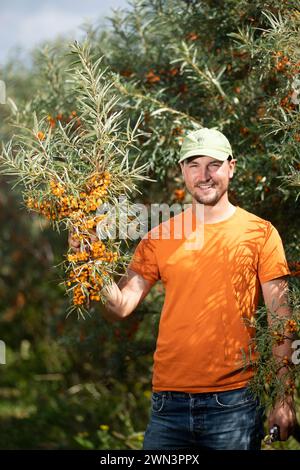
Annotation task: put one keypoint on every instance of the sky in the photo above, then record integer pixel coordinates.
(26, 23)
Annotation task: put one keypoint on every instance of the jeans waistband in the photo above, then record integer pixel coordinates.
(175, 394)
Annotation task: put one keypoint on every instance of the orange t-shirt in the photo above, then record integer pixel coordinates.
(208, 291)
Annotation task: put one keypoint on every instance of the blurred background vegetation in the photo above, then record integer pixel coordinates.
(74, 383)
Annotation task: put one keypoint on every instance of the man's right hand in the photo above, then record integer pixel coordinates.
(74, 244)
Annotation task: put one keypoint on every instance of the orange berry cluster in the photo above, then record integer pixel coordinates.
(291, 326)
(282, 62)
(177, 131)
(279, 337)
(152, 77)
(76, 257)
(57, 188)
(286, 102)
(179, 194)
(285, 65)
(61, 117)
(87, 284)
(96, 189)
(71, 206)
(290, 386)
(166, 75)
(84, 223)
(44, 208)
(98, 252)
(97, 249)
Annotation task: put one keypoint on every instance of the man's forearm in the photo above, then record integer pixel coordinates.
(109, 315)
(276, 295)
(123, 298)
(282, 351)
(282, 354)
(112, 310)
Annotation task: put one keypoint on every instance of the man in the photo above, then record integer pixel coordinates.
(212, 277)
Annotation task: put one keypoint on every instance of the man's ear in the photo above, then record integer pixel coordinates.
(181, 166)
(232, 164)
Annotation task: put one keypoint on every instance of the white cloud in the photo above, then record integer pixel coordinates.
(46, 20)
(44, 24)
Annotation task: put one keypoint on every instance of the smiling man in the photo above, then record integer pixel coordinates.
(200, 395)
(204, 161)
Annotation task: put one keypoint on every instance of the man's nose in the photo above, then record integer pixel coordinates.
(203, 175)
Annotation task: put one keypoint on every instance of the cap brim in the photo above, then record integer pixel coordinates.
(207, 153)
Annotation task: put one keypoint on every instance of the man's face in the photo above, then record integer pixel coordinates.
(207, 178)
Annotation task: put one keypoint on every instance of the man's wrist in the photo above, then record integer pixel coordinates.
(286, 400)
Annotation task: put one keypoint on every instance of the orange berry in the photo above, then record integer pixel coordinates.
(192, 36)
(285, 360)
(41, 135)
(151, 77)
(179, 194)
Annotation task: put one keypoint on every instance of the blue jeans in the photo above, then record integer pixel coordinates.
(220, 420)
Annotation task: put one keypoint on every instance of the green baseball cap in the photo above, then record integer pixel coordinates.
(209, 142)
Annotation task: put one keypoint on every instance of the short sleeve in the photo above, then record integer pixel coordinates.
(144, 260)
(272, 261)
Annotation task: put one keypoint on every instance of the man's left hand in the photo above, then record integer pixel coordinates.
(283, 414)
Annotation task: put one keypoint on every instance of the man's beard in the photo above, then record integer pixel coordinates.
(209, 199)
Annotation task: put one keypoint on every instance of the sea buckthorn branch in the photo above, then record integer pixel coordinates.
(69, 168)
(275, 376)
